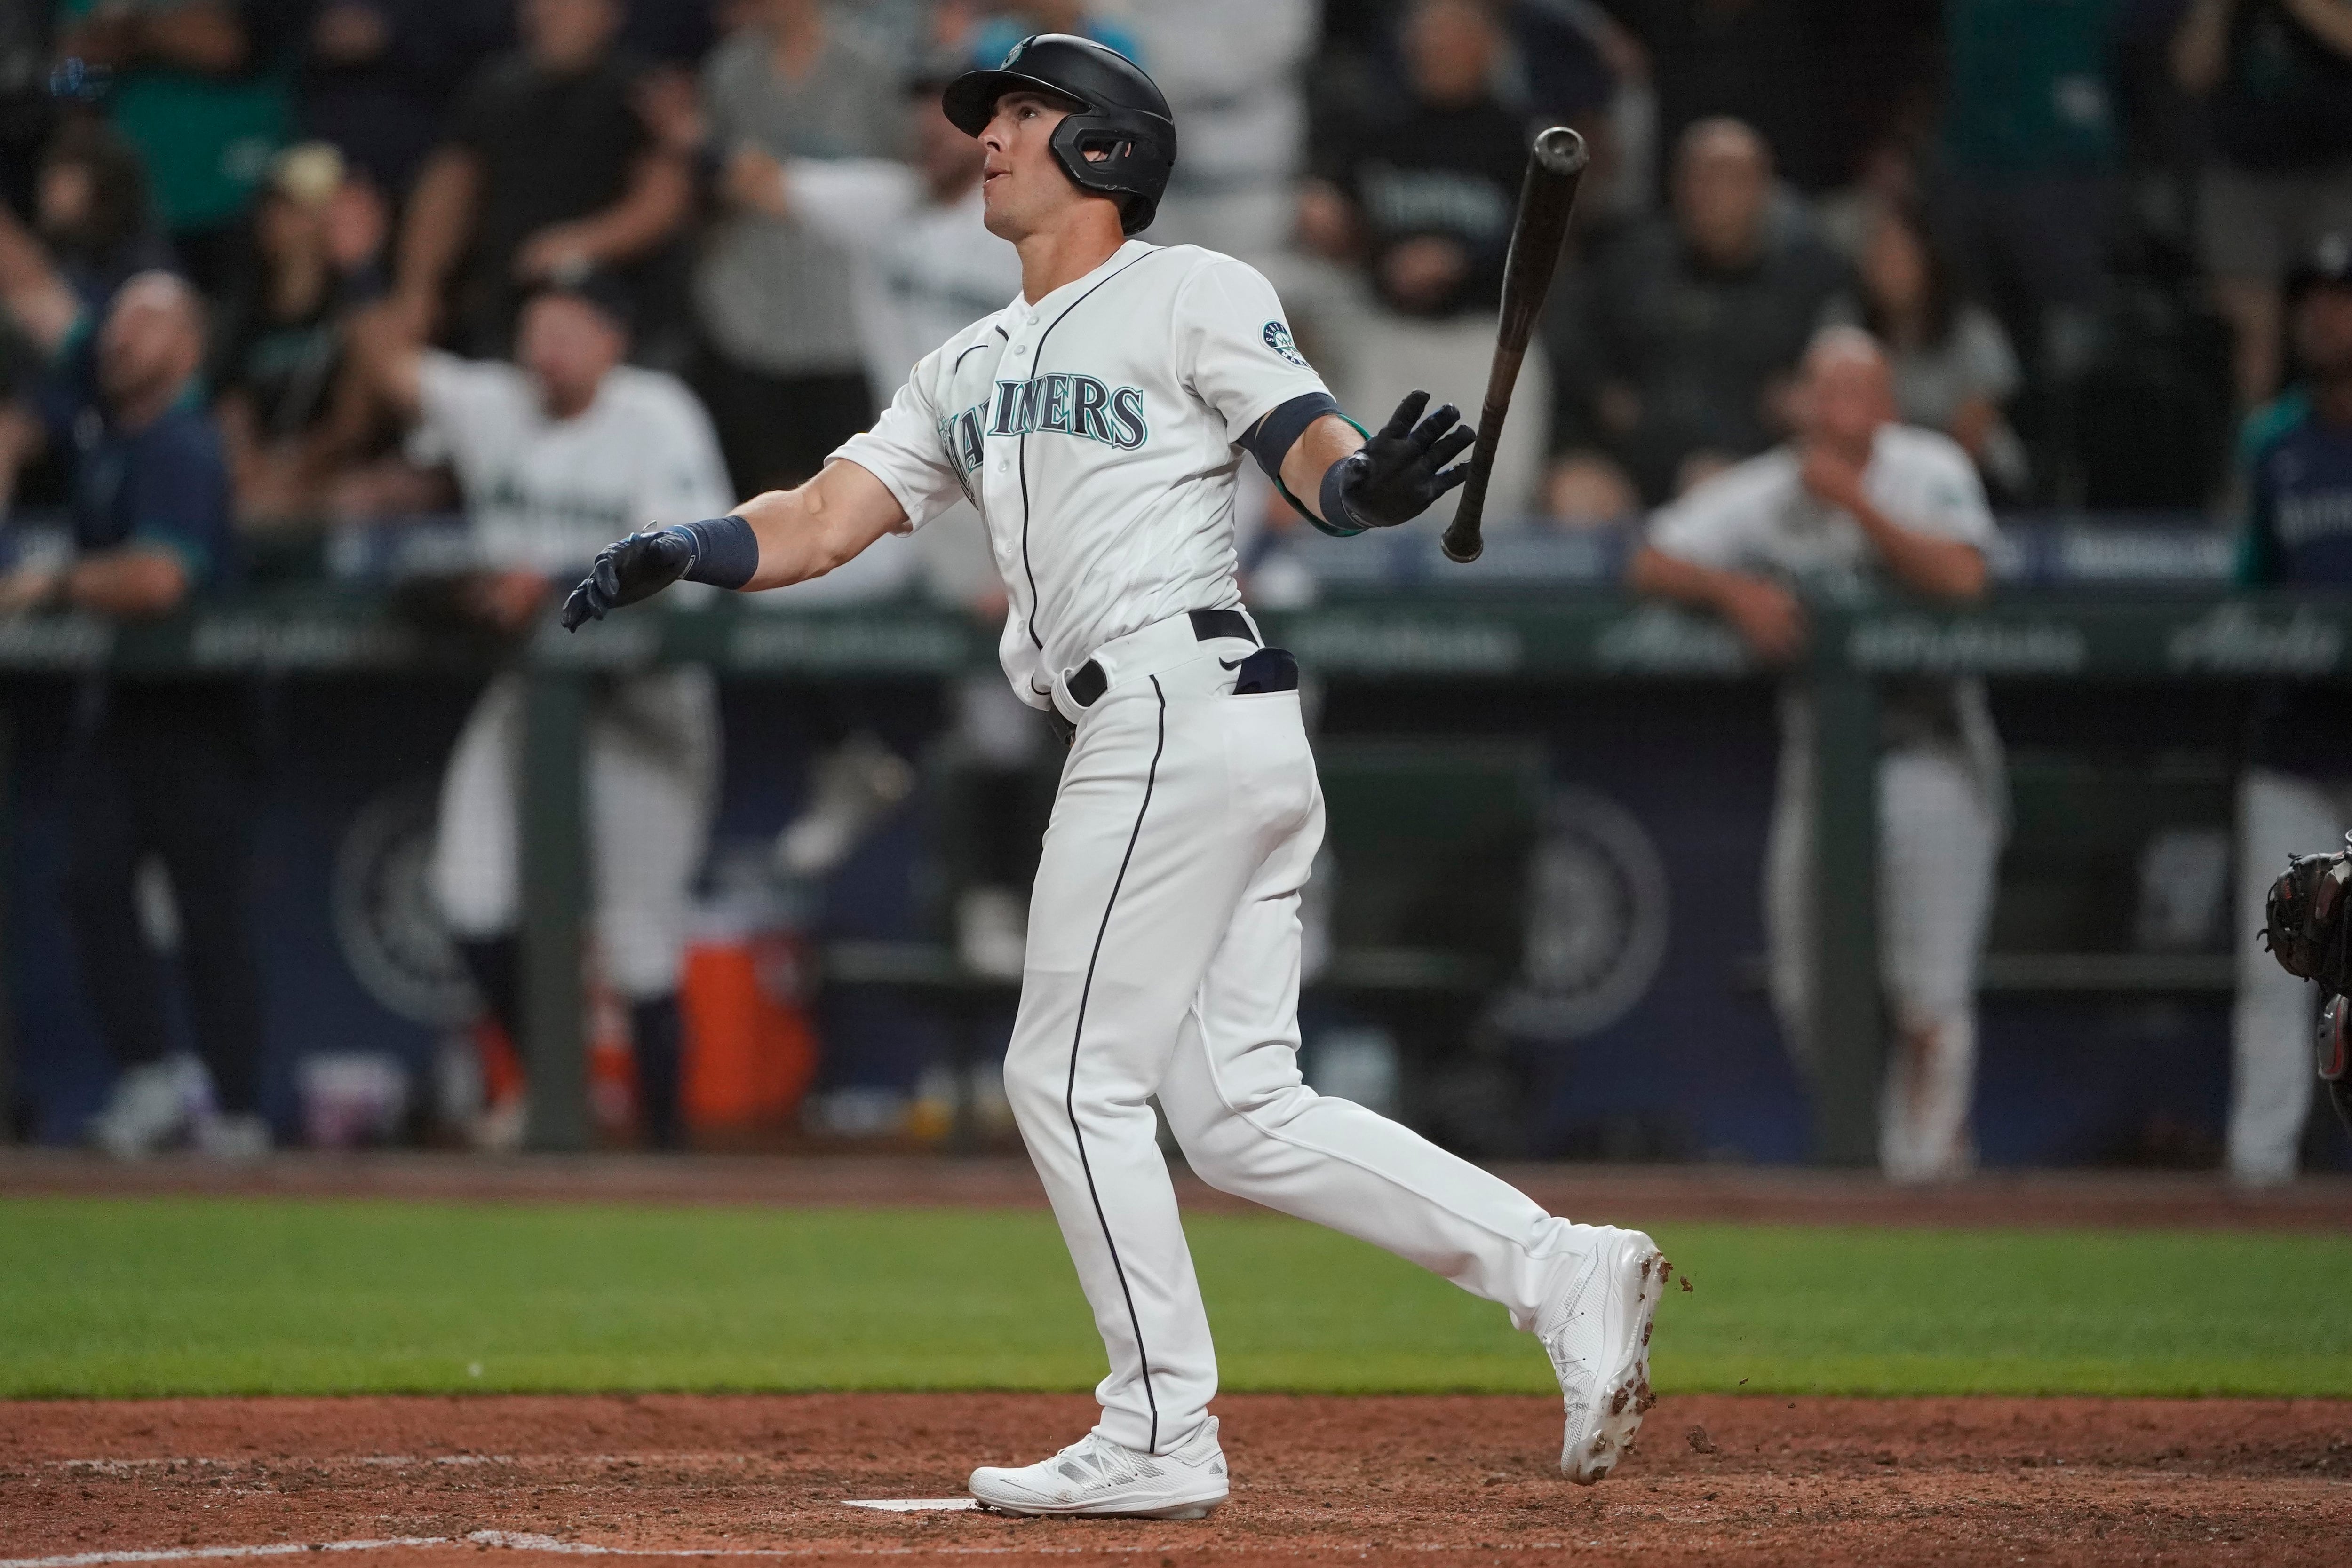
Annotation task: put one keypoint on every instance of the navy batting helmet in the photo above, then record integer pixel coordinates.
(1121, 117)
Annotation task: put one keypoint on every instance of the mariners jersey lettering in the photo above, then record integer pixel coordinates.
(1096, 431)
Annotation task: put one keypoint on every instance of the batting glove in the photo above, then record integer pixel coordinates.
(1400, 473)
(635, 568)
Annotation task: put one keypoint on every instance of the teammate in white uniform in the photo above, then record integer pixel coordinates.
(1859, 498)
(551, 454)
(1097, 423)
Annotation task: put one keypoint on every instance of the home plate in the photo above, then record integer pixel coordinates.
(912, 1504)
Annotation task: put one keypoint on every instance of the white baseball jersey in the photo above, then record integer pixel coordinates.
(1757, 516)
(924, 269)
(1939, 817)
(1096, 431)
(549, 494)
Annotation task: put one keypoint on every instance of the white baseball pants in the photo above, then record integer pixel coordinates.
(1164, 959)
(1938, 844)
(651, 766)
(2279, 814)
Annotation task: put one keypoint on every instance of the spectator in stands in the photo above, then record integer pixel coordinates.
(161, 770)
(198, 88)
(922, 267)
(987, 39)
(674, 33)
(92, 212)
(1857, 498)
(1694, 323)
(27, 106)
(556, 454)
(549, 171)
(1765, 63)
(1425, 195)
(1244, 115)
(2027, 155)
(2296, 797)
(318, 238)
(378, 76)
(1954, 368)
(2276, 78)
(781, 368)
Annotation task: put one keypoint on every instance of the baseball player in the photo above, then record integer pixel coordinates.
(551, 453)
(2296, 792)
(1855, 499)
(1097, 423)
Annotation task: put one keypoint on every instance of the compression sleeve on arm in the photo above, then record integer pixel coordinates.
(1270, 441)
(1271, 438)
(726, 550)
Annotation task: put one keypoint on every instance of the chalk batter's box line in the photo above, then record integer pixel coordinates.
(523, 1540)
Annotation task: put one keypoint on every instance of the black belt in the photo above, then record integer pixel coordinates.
(1089, 684)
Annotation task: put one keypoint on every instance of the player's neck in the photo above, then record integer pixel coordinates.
(1069, 250)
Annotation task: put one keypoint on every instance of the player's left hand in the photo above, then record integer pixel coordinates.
(633, 568)
(1401, 473)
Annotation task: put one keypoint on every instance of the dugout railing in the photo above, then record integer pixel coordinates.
(2189, 633)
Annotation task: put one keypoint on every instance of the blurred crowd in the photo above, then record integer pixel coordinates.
(564, 266)
(2075, 222)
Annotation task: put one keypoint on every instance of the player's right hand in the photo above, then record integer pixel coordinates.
(635, 568)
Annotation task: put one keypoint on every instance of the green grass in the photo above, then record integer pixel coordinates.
(200, 1296)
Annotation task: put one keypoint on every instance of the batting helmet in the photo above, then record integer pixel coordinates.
(1121, 117)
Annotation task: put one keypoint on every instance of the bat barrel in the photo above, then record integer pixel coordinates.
(1561, 151)
(1556, 165)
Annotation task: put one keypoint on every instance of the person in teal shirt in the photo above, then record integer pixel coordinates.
(2027, 155)
(204, 91)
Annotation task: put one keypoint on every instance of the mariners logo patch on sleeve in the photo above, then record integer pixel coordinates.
(1278, 338)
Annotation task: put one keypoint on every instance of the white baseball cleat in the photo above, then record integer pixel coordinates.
(150, 1107)
(1097, 1478)
(1595, 1323)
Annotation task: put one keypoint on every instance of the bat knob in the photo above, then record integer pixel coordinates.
(1562, 151)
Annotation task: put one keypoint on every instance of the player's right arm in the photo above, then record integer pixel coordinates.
(825, 523)
(771, 540)
(892, 478)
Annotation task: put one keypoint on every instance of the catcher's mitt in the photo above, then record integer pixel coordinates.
(2305, 928)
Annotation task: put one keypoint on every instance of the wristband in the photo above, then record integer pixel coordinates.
(726, 552)
(1337, 516)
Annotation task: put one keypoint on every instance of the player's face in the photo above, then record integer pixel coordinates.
(569, 348)
(1721, 187)
(1024, 188)
(1844, 399)
(569, 34)
(152, 341)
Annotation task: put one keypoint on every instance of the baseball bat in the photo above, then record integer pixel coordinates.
(1556, 166)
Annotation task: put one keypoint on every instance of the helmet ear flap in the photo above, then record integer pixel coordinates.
(1113, 157)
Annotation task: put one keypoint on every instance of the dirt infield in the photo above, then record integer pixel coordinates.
(430, 1483)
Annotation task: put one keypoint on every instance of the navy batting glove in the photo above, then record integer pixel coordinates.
(1402, 472)
(635, 568)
